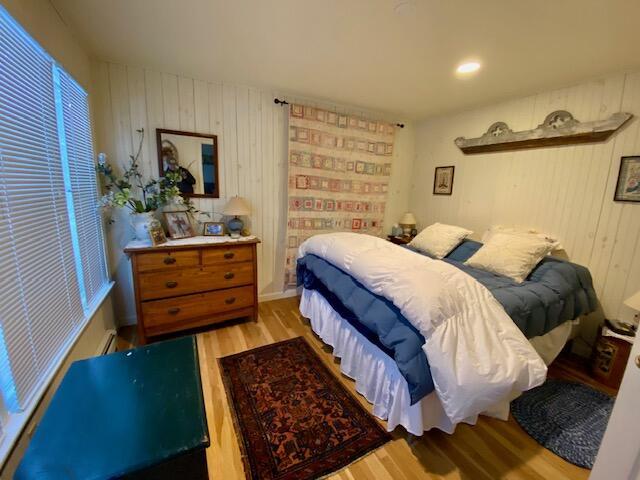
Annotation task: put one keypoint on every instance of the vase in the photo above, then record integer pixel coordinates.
(140, 223)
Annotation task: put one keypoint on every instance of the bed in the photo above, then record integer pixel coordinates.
(364, 310)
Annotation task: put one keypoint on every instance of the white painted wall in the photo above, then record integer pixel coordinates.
(566, 191)
(252, 144)
(44, 24)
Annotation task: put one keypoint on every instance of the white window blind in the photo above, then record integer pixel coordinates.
(52, 261)
(81, 173)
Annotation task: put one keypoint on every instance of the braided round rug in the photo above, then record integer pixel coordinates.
(565, 417)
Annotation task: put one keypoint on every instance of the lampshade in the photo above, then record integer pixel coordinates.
(237, 206)
(408, 219)
(633, 301)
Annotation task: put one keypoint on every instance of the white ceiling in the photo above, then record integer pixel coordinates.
(360, 52)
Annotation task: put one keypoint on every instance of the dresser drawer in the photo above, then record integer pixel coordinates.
(167, 260)
(172, 310)
(194, 280)
(231, 254)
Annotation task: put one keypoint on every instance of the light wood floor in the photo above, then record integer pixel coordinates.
(490, 449)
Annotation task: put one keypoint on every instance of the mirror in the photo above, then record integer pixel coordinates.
(195, 156)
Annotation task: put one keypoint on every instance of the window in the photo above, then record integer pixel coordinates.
(80, 174)
(53, 272)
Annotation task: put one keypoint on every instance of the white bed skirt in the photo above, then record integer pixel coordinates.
(377, 376)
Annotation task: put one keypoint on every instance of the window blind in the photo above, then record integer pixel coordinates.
(52, 262)
(40, 300)
(78, 156)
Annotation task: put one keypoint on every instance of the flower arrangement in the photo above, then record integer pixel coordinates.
(130, 190)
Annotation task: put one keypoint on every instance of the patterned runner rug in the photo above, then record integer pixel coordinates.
(294, 419)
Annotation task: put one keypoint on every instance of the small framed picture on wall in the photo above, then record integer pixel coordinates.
(628, 186)
(443, 180)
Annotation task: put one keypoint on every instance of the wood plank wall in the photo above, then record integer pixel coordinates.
(566, 191)
(252, 136)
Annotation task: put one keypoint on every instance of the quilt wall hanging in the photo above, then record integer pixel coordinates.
(339, 169)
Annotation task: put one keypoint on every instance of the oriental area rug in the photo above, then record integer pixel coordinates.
(294, 420)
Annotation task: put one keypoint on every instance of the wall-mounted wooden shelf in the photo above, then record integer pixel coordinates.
(559, 128)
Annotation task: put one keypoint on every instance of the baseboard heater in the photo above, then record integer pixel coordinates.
(108, 344)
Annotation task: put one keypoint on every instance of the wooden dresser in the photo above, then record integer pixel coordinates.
(191, 283)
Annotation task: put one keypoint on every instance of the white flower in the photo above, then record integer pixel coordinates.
(102, 158)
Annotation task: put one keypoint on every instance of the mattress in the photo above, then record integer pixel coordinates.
(556, 291)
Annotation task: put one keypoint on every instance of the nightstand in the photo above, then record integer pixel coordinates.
(400, 240)
(610, 356)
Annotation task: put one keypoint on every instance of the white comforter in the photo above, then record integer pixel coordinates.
(478, 357)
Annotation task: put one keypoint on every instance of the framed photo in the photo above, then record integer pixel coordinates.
(213, 229)
(156, 232)
(628, 187)
(178, 224)
(443, 181)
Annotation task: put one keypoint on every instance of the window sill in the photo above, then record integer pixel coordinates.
(15, 423)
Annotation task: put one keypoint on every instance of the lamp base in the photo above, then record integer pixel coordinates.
(407, 227)
(235, 226)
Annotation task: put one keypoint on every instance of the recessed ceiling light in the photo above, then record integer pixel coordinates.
(404, 8)
(468, 67)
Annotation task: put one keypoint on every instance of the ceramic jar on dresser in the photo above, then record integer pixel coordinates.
(192, 283)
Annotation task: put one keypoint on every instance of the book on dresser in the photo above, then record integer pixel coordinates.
(193, 282)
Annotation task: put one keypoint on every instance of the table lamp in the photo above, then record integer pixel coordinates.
(236, 206)
(408, 223)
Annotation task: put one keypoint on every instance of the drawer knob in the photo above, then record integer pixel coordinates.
(230, 300)
(229, 255)
(171, 284)
(169, 260)
(229, 275)
(173, 310)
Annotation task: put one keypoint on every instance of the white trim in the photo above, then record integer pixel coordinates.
(291, 292)
(16, 422)
(109, 339)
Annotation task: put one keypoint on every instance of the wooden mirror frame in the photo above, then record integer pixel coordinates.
(216, 191)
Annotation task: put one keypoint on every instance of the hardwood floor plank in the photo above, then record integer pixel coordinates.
(491, 449)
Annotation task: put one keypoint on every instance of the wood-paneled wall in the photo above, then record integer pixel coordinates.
(252, 136)
(566, 191)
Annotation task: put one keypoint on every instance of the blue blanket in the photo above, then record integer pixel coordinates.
(374, 316)
(556, 291)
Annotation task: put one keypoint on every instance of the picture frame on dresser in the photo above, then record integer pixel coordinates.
(213, 229)
(178, 225)
(156, 233)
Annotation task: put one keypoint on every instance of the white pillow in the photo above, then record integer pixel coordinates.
(439, 239)
(511, 255)
(521, 231)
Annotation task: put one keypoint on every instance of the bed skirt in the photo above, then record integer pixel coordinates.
(377, 376)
